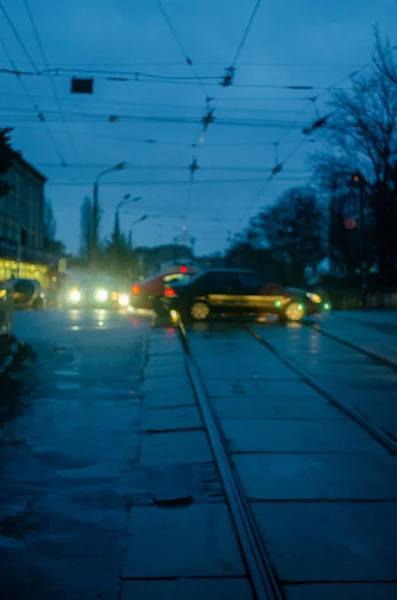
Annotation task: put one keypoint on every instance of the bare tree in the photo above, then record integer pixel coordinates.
(86, 227)
(293, 229)
(362, 132)
(383, 58)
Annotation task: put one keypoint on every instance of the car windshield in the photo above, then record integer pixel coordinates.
(177, 278)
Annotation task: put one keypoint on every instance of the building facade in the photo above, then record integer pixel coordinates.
(22, 222)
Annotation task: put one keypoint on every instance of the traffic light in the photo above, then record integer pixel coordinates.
(183, 269)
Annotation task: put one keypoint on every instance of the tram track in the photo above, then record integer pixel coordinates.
(388, 441)
(377, 358)
(264, 581)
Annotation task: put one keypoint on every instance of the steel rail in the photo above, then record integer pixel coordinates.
(388, 441)
(262, 576)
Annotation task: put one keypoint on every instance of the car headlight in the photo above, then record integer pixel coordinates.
(102, 295)
(124, 300)
(75, 296)
(314, 298)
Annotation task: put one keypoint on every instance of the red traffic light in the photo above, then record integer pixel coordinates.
(350, 223)
(183, 269)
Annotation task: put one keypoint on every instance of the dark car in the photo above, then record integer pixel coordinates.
(29, 294)
(239, 291)
(150, 293)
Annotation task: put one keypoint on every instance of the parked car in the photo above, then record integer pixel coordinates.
(98, 292)
(29, 294)
(239, 291)
(149, 294)
(5, 308)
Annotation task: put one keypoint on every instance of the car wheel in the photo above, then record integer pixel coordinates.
(199, 311)
(294, 311)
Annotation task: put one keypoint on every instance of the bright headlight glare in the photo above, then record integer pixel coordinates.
(102, 295)
(174, 316)
(314, 298)
(75, 296)
(124, 300)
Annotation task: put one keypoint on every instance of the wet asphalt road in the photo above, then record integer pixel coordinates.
(109, 488)
(68, 440)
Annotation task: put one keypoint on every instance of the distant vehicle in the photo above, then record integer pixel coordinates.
(29, 294)
(5, 308)
(97, 292)
(239, 291)
(149, 294)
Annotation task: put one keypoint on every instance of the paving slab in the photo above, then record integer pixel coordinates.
(169, 399)
(176, 447)
(320, 541)
(195, 541)
(276, 407)
(248, 387)
(174, 382)
(160, 369)
(340, 591)
(184, 417)
(174, 484)
(318, 476)
(188, 589)
(247, 435)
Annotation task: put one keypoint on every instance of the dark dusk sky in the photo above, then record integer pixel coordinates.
(307, 42)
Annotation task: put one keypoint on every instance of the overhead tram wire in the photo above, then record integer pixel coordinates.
(189, 61)
(208, 118)
(152, 182)
(52, 82)
(31, 99)
(19, 39)
(178, 40)
(279, 166)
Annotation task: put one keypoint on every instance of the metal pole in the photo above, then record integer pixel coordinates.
(94, 240)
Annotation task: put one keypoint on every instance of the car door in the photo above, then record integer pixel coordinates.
(251, 297)
(260, 296)
(220, 290)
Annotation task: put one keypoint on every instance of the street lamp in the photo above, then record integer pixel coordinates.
(140, 220)
(95, 213)
(127, 200)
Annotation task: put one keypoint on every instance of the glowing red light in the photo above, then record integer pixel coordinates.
(350, 223)
(169, 292)
(183, 269)
(136, 290)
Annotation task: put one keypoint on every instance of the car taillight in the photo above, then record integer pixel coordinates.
(136, 290)
(169, 292)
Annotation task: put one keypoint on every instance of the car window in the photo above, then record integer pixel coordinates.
(251, 283)
(24, 286)
(176, 278)
(218, 283)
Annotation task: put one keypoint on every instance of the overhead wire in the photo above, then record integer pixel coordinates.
(19, 38)
(171, 182)
(52, 82)
(279, 165)
(246, 32)
(40, 114)
(179, 42)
